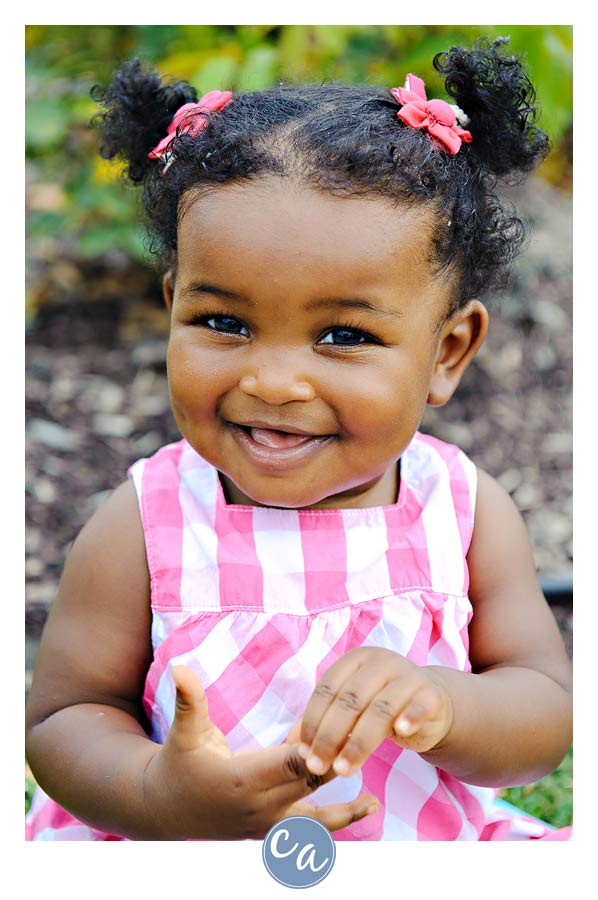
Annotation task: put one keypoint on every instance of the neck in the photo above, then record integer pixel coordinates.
(383, 491)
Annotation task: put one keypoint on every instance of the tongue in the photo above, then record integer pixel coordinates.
(278, 439)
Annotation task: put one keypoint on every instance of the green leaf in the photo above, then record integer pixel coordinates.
(217, 73)
(250, 36)
(258, 71)
(100, 239)
(200, 37)
(48, 224)
(294, 47)
(550, 798)
(29, 791)
(332, 39)
(46, 123)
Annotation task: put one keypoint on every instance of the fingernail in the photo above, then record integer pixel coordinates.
(404, 726)
(315, 765)
(303, 750)
(341, 766)
(372, 809)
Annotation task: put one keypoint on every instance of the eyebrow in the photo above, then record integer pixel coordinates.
(196, 288)
(201, 288)
(354, 303)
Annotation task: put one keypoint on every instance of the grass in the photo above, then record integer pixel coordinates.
(549, 799)
(29, 788)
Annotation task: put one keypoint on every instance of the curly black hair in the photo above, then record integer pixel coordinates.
(347, 140)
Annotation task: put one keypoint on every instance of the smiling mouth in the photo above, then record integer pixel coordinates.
(275, 438)
(276, 449)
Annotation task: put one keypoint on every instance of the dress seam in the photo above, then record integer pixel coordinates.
(308, 612)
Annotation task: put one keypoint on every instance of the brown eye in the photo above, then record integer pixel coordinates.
(345, 337)
(223, 324)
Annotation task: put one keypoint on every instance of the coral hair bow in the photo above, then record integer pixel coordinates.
(190, 119)
(437, 117)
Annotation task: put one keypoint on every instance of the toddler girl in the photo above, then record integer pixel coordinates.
(306, 606)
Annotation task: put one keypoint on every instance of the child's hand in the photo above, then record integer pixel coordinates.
(370, 694)
(200, 789)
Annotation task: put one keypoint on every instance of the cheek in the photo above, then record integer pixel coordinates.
(384, 401)
(194, 374)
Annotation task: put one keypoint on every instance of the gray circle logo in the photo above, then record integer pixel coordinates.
(298, 852)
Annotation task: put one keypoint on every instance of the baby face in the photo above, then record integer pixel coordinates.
(303, 341)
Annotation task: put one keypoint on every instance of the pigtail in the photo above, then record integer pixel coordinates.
(348, 140)
(498, 98)
(136, 110)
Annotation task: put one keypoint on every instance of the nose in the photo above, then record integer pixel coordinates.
(276, 385)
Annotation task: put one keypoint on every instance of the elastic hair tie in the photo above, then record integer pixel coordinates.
(437, 117)
(189, 119)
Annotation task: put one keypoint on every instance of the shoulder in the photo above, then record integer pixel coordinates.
(96, 644)
(500, 553)
(114, 531)
(512, 621)
(497, 522)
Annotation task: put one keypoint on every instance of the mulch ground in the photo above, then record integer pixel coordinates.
(97, 397)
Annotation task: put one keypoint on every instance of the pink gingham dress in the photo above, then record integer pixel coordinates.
(261, 601)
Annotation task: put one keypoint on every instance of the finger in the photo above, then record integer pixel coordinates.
(340, 719)
(379, 721)
(281, 765)
(191, 725)
(425, 722)
(412, 718)
(325, 694)
(279, 773)
(338, 815)
(294, 734)
(352, 699)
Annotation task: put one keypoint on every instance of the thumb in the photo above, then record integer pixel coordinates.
(191, 726)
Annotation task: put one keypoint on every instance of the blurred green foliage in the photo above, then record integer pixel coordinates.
(550, 798)
(75, 197)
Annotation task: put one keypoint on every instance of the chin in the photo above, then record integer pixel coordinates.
(275, 500)
(278, 496)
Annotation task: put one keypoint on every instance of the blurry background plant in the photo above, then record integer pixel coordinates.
(72, 196)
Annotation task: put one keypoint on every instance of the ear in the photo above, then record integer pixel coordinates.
(461, 336)
(168, 289)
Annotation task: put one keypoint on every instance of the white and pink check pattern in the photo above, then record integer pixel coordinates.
(260, 602)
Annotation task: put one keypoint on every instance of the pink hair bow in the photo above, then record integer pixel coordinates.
(436, 117)
(190, 119)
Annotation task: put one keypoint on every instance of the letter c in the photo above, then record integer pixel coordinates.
(274, 844)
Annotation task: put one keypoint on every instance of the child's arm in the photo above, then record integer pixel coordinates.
(86, 738)
(509, 722)
(513, 719)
